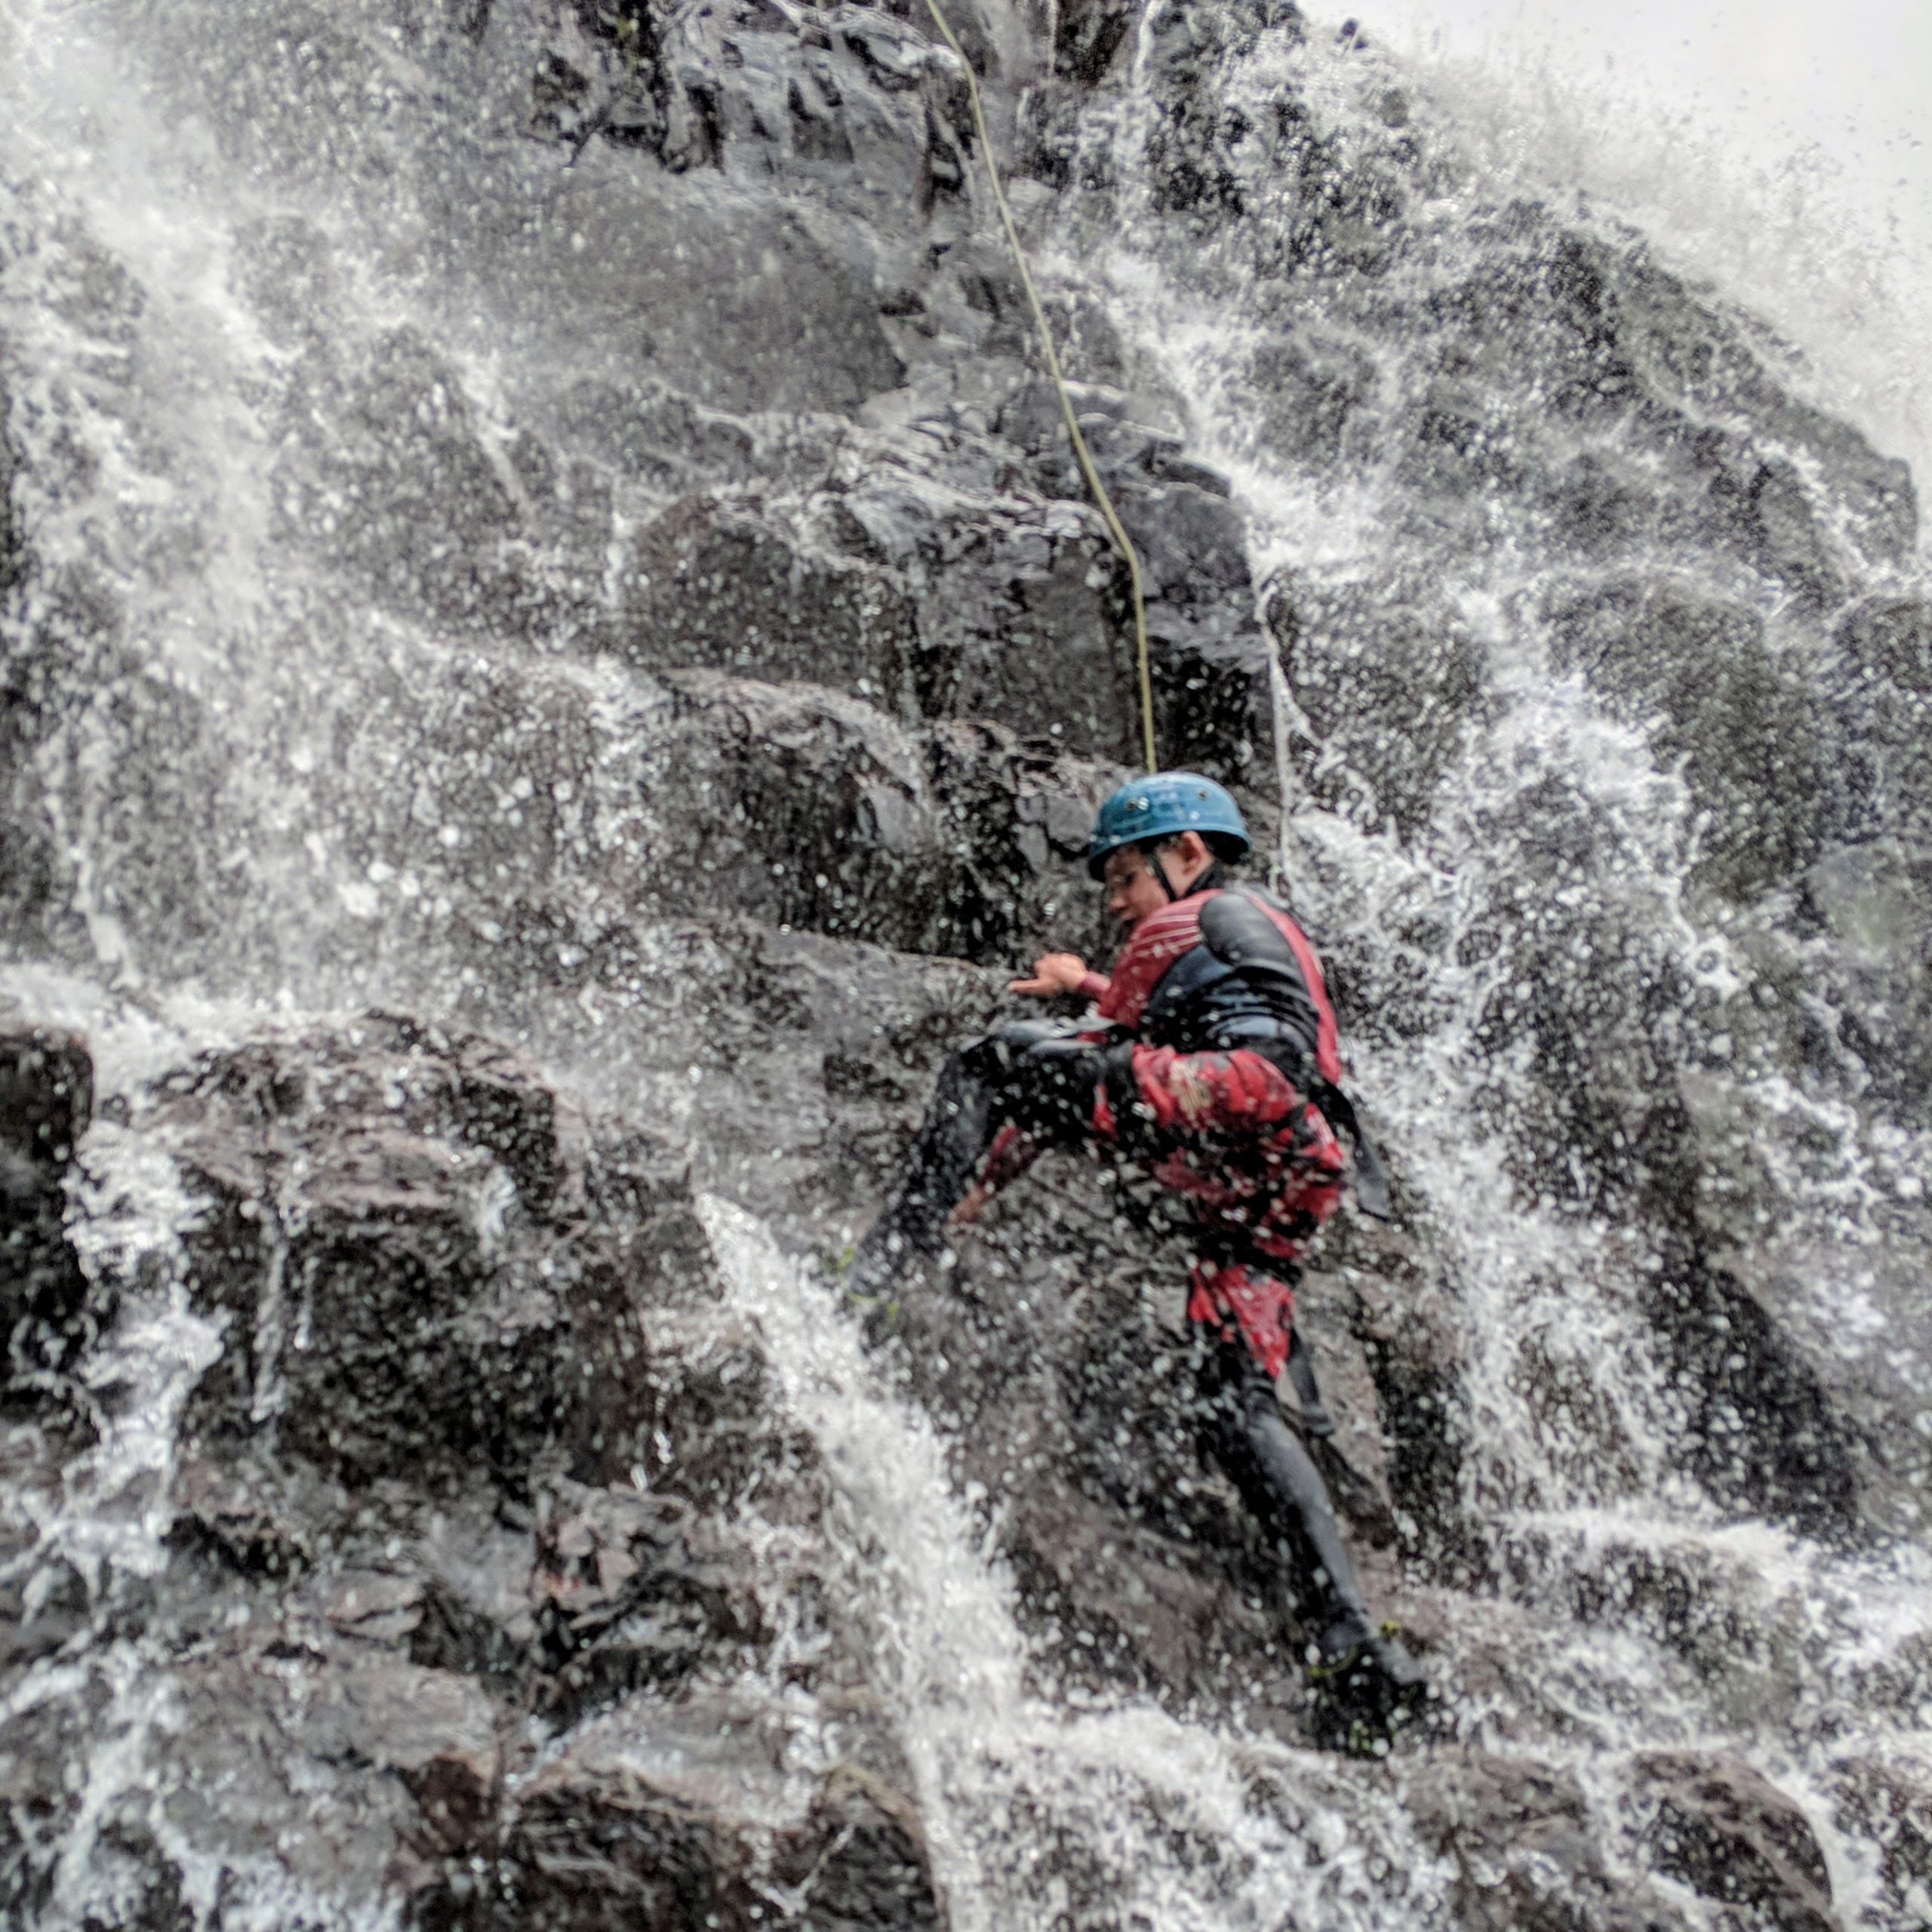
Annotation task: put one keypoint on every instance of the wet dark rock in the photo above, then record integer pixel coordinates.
(1524, 1847)
(1892, 1804)
(1517, 334)
(410, 466)
(938, 602)
(1090, 36)
(1729, 1833)
(1055, 1355)
(718, 583)
(1209, 657)
(1745, 728)
(692, 1829)
(849, 126)
(811, 809)
(1870, 1024)
(70, 657)
(1310, 397)
(623, 1600)
(832, 1045)
(237, 1516)
(13, 543)
(1406, 1431)
(1394, 682)
(44, 1607)
(46, 1104)
(1187, 156)
(818, 812)
(1880, 675)
(1007, 609)
(437, 1287)
(1593, 1005)
(377, 1218)
(1602, 1015)
(1018, 818)
(1769, 1434)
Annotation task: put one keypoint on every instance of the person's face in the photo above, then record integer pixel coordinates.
(1132, 889)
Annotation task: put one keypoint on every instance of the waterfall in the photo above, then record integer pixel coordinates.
(537, 521)
(993, 1743)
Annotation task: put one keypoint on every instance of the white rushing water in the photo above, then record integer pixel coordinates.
(156, 400)
(992, 1742)
(1779, 150)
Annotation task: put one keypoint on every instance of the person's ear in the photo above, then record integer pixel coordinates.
(1194, 852)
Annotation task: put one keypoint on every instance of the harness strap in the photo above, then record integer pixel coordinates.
(1316, 1418)
(1371, 1177)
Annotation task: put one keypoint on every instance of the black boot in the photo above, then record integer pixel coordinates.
(1367, 1677)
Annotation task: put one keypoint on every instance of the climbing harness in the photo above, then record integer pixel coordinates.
(1103, 502)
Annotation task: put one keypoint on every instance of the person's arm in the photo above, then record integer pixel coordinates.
(1013, 1152)
(1056, 973)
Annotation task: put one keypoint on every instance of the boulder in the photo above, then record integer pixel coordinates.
(374, 1227)
(1523, 1848)
(46, 1104)
(1727, 1831)
(685, 1810)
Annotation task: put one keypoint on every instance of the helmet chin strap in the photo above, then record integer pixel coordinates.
(1158, 869)
(1157, 865)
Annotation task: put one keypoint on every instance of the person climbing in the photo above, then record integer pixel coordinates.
(1211, 1060)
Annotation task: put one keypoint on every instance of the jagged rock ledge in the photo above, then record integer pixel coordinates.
(484, 1572)
(481, 1574)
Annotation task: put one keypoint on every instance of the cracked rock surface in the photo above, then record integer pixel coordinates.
(556, 661)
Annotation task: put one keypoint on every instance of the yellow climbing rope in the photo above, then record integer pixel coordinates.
(1103, 502)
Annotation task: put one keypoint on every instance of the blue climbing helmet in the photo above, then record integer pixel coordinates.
(1163, 807)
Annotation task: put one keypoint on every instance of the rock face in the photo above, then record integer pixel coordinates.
(466, 1462)
(46, 1104)
(585, 574)
(1729, 1834)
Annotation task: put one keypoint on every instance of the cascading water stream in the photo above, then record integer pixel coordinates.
(312, 764)
(1008, 1771)
(1553, 1295)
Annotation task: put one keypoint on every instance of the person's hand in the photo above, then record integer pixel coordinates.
(969, 1209)
(1053, 972)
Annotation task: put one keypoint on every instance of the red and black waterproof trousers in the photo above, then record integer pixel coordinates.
(1264, 1171)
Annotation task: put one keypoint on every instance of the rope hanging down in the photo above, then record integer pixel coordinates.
(1103, 502)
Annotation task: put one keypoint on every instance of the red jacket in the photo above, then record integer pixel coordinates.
(1162, 939)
